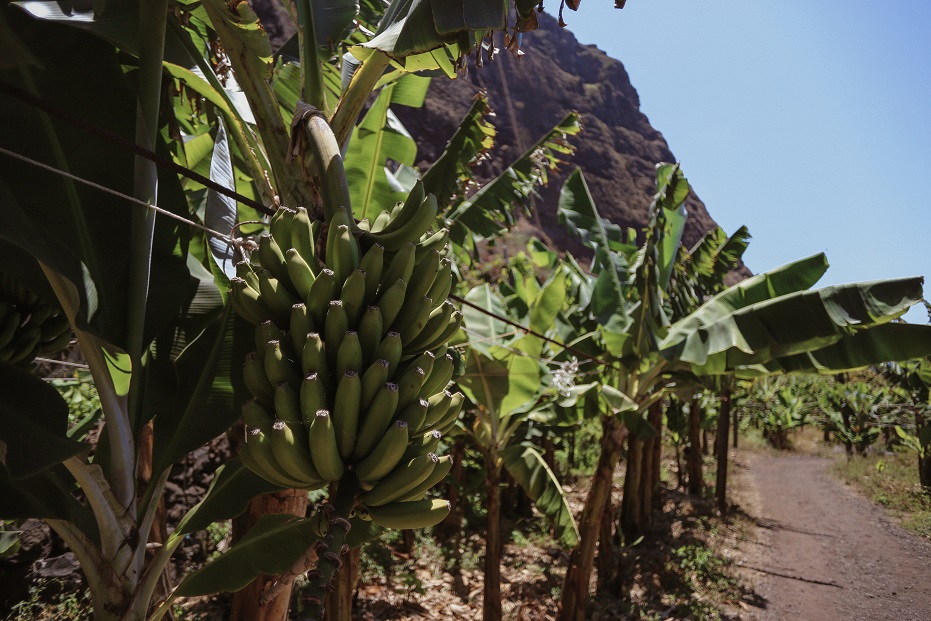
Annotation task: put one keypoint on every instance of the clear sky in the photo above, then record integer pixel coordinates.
(810, 122)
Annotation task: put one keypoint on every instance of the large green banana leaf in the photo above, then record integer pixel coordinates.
(527, 466)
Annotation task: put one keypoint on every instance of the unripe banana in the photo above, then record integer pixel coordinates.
(279, 367)
(439, 378)
(376, 421)
(436, 242)
(404, 212)
(55, 344)
(347, 409)
(391, 301)
(269, 442)
(321, 293)
(271, 256)
(301, 325)
(342, 250)
(256, 454)
(245, 271)
(443, 284)
(280, 227)
(415, 414)
(364, 224)
(313, 397)
(437, 323)
(266, 332)
(300, 273)
(323, 447)
(424, 443)
(277, 297)
(439, 406)
(313, 357)
(390, 349)
(287, 403)
(291, 451)
(25, 344)
(409, 384)
(413, 318)
(303, 238)
(411, 514)
(253, 376)
(449, 420)
(392, 237)
(376, 376)
(353, 297)
(9, 328)
(400, 481)
(349, 355)
(372, 264)
(371, 329)
(385, 455)
(452, 326)
(55, 326)
(335, 328)
(425, 361)
(424, 275)
(380, 221)
(401, 266)
(248, 302)
(442, 468)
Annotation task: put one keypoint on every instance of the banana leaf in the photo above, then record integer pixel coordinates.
(525, 463)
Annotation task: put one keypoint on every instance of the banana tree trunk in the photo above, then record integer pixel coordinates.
(651, 464)
(491, 598)
(605, 562)
(339, 601)
(575, 588)
(924, 461)
(736, 427)
(694, 454)
(724, 419)
(450, 529)
(246, 602)
(630, 503)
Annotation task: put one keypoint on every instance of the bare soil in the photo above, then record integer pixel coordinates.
(822, 551)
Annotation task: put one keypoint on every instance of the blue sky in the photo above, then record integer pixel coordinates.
(810, 122)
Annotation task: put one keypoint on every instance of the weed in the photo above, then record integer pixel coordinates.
(52, 600)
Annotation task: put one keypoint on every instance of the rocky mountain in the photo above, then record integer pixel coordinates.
(617, 149)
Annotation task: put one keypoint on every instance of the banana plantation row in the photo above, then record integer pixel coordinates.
(300, 265)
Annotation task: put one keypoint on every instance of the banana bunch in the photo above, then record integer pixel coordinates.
(350, 372)
(29, 325)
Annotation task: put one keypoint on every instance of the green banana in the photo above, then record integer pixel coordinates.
(9, 328)
(436, 242)
(372, 264)
(376, 421)
(247, 302)
(411, 514)
(279, 367)
(400, 481)
(425, 361)
(353, 296)
(324, 450)
(385, 455)
(290, 448)
(424, 275)
(245, 271)
(303, 238)
(253, 376)
(280, 227)
(26, 344)
(401, 266)
(375, 376)
(312, 396)
(371, 330)
(266, 332)
(452, 326)
(380, 221)
(443, 284)
(271, 257)
(412, 229)
(55, 344)
(335, 328)
(436, 324)
(449, 420)
(409, 384)
(406, 211)
(364, 224)
(300, 273)
(349, 355)
(259, 429)
(439, 378)
(391, 300)
(342, 250)
(313, 357)
(287, 403)
(347, 410)
(300, 326)
(277, 297)
(390, 349)
(415, 414)
(262, 465)
(413, 318)
(321, 293)
(422, 444)
(439, 406)
(55, 326)
(442, 468)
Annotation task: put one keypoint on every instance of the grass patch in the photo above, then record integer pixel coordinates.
(891, 481)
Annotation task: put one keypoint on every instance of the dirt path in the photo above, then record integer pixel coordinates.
(824, 553)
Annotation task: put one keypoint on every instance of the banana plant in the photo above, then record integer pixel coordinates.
(911, 380)
(779, 405)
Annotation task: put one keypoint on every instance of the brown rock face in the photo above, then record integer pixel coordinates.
(617, 149)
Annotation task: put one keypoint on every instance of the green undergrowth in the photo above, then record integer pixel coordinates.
(891, 481)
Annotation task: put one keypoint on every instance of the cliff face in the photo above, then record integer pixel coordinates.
(617, 149)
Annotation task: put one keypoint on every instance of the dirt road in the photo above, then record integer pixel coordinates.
(824, 553)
